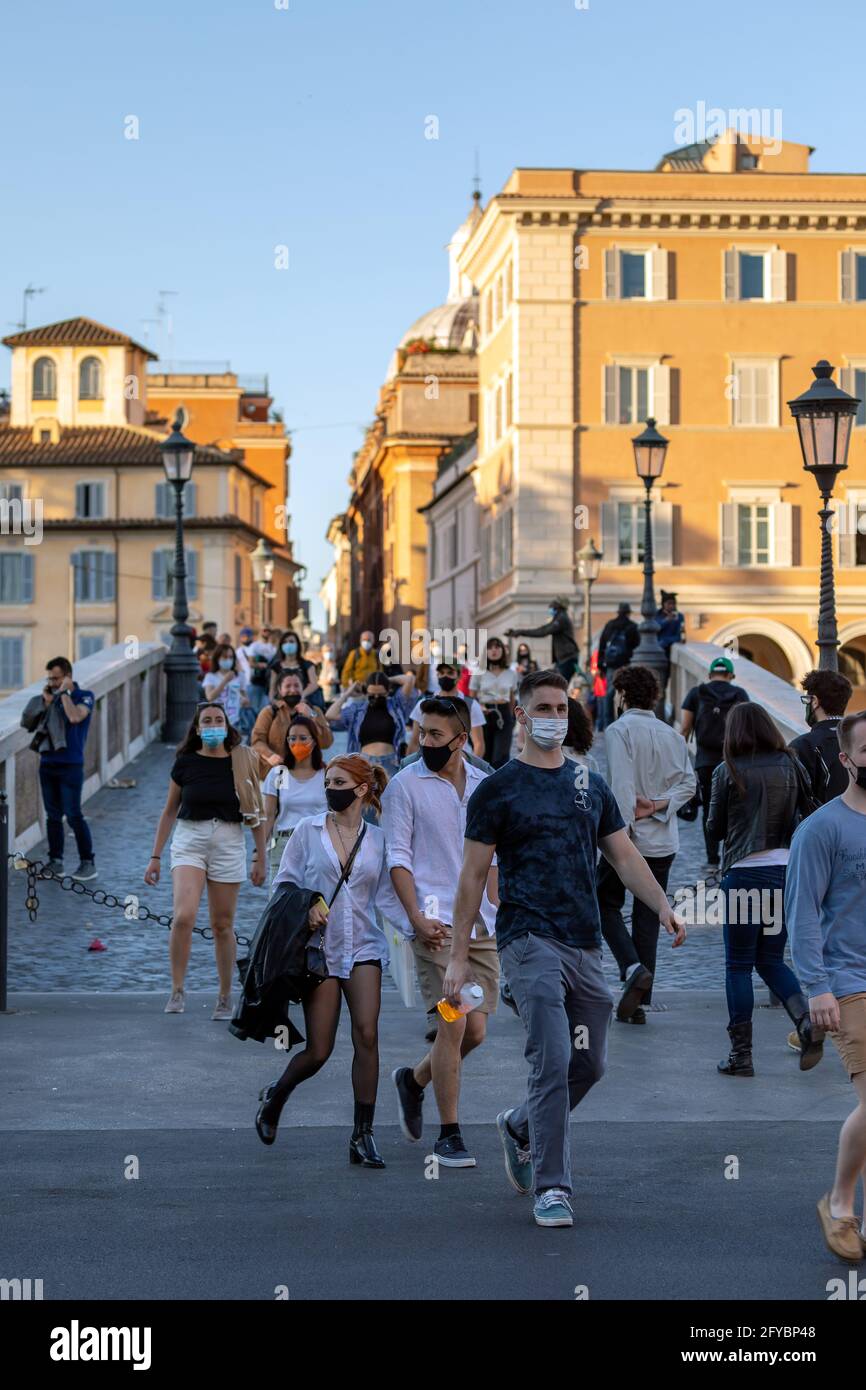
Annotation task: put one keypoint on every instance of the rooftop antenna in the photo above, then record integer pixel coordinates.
(162, 311)
(29, 292)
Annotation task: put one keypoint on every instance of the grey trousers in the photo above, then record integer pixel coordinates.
(566, 1008)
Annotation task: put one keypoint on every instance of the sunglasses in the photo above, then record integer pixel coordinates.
(446, 706)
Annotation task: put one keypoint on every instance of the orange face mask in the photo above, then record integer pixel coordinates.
(300, 750)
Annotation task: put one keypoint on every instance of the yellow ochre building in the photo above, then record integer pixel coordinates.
(700, 293)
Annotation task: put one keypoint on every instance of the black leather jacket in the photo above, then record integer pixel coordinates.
(767, 815)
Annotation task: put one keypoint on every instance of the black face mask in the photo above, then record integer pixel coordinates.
(292, 700)
(447, 682)
(811, 717)
(339, 798)
(436, 758)
(377, 700)
(859, 776)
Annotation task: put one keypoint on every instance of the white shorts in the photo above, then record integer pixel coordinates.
(217, 846)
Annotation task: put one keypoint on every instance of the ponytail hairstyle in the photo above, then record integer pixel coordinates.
(361, 770)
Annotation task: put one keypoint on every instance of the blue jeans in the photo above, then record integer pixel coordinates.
(61, 785)
(755, 937)
(258, 698)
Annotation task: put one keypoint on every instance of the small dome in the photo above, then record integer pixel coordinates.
(452, 325)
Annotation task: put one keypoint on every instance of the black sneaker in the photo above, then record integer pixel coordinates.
(86, 870)
(637, 987)
(410, 1105)
(453, 1153)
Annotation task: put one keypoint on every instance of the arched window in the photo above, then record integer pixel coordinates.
(44, 379)
(90, 380)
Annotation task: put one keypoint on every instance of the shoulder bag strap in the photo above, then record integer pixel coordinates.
(347, 867)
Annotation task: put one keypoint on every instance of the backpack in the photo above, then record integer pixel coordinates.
(712, 716)
(616, 653)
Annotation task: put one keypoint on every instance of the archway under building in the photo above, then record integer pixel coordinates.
(852, 661)
(771, 645)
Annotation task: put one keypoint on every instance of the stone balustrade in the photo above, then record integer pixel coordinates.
(691, 665)
(127, 715)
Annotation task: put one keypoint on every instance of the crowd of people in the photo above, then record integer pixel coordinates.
(467, 812)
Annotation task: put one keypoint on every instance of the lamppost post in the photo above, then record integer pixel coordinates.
(650, 449)
(181, 666)
(588, 564)
(824, 416)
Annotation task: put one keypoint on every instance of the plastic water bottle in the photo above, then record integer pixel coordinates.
(470, 997)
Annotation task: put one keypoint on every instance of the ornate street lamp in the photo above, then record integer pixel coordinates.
(181, 666)
(262, 561)
(825, 417)
(650, 449)
(588, 565)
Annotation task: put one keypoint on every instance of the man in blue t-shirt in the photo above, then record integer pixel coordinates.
(61, 767)
(545, 818)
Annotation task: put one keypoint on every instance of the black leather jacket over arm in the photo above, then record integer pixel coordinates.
(766, 816)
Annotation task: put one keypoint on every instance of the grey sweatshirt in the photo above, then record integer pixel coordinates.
(825, 901)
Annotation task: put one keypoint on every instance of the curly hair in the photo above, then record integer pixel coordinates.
(832, 689)
(638, 686)
(361, 770)
(579, 736)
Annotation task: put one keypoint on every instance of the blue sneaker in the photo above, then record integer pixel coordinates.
(552, 1208)
(518, 1160)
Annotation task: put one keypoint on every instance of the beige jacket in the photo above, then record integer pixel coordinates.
(245, 770)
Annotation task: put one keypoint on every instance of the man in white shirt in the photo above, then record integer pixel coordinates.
(258, 654)
(424, 818)
(446, 675)
(651, 776)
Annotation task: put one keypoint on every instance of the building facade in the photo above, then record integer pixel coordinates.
(701, 294)
(452, 545)
(427, 403)
(80, 446)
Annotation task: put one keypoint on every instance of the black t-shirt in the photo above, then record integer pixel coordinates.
(546, 832)
(377, 726)
(207, 788)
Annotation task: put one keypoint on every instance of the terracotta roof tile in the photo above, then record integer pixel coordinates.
(78, 330)
(95, 444)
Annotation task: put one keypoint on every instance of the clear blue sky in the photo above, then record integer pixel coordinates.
(305, 127)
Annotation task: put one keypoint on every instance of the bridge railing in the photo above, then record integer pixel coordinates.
(691, 665)
(127, 715)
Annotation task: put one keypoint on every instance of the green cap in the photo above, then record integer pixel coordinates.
(722, 663)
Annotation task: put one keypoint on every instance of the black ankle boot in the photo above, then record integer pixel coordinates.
(266, 1132)
(810, 1035)
(362, 1148)
(739, 1062)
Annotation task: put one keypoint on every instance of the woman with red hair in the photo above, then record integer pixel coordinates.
(342, 856)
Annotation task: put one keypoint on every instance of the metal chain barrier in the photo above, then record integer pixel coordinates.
(36, 869)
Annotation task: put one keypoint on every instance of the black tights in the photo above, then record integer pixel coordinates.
(363, 991)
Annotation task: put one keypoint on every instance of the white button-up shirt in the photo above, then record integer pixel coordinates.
(424, 821)
(352, 933)
(646, 757)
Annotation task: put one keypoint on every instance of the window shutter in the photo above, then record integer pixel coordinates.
(846, 276)
(730, 275)
(110, 576)
(27, 577)
(663, 533)
(161, 500)
(661, 393)
(658, 273)
(77, 561)
(79, 499)
(192, 573)
(611, 409)
(190, 496)
(157, 574)
(728, 532)
(611, 276)
(783, 535)
(609, 533)
(843, 514)
(846, 380)
(778, 276)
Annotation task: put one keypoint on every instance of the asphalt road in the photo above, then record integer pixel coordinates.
(215, 1215)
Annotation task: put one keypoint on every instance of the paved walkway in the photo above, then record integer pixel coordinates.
(52, 953)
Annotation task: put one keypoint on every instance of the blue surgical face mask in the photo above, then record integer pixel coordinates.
(290, 648)
(226, 663)
(212, 737)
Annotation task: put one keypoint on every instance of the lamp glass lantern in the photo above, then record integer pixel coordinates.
(262, 561)
(824, 416)
(178, 454)
(589, 562)
(650, 449)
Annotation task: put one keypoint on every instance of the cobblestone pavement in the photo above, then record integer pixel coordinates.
(52, 953)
